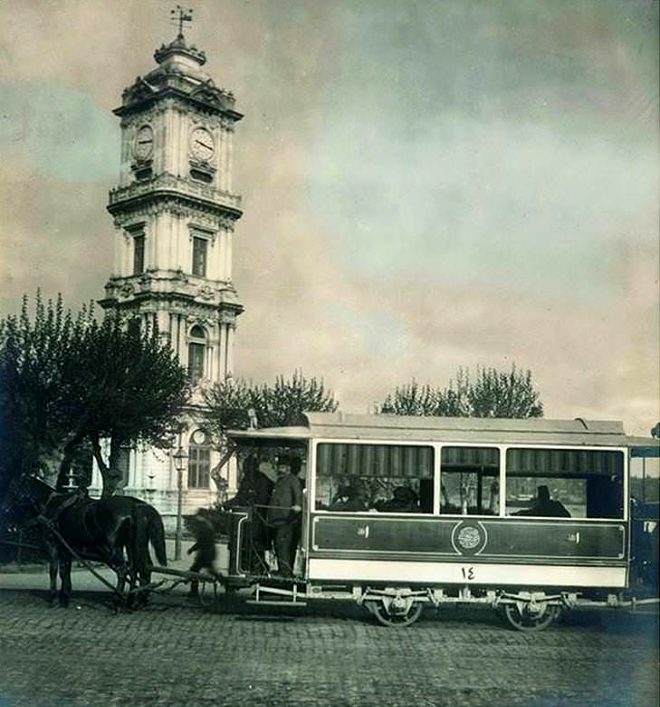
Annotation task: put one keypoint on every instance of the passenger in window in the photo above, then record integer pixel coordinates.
(545, 506)
(404, 500)
(348, 498)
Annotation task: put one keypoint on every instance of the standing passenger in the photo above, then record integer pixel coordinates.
(284, 513)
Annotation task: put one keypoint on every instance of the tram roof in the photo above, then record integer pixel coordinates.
(342, 425)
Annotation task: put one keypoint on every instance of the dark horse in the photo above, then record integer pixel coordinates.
(115, 531)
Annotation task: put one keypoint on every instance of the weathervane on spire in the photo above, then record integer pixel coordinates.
(180, 16)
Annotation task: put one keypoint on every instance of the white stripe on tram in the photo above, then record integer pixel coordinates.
(465, 573)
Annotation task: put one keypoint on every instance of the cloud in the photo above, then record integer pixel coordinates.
(55, 235)
(61, 132)
(426, 185)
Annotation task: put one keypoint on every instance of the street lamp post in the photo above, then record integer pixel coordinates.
(180, 458)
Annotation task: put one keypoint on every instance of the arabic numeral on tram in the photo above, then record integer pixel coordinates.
(467, 572)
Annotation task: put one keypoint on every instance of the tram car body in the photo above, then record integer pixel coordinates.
(531, 516)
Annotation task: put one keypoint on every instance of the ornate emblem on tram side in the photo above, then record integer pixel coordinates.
(469, 538)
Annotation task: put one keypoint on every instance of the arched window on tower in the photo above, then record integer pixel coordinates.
(199, 460)
(196, 353)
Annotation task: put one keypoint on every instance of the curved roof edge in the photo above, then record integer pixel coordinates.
(456, 430)
(450, 424)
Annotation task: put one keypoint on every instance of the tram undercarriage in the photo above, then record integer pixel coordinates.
(399, 606)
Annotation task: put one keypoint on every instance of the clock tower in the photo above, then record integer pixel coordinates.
(174, 212)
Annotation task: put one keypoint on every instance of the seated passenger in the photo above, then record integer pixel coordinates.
(404, 500)
(545, 506)
(348, 498)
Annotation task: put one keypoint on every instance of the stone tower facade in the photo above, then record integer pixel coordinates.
(174, 212)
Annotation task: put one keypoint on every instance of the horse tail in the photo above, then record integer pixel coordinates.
(156, 535)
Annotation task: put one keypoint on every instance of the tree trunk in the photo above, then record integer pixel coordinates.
(110, 477)
(104, 469)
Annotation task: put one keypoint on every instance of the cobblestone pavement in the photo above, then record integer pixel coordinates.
(177, 653)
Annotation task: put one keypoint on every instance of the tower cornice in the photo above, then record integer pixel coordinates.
(142, 95)
(176, 303)
(168, 188)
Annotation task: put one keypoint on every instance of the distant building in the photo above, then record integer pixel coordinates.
(174, 212)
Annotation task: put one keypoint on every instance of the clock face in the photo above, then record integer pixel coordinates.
(144, 142)
(202, 145)
(198, 437)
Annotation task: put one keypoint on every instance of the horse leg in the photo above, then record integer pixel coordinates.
(138, 556)
(65, 578)
(117, 563)
(134, 571)
(53, 565)
(144, 577)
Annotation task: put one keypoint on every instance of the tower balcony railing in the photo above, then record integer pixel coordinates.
(170, 184)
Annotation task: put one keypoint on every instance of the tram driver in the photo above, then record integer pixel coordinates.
(284, 513)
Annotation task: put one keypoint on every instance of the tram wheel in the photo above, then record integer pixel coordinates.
(521, 617)
(388, 617)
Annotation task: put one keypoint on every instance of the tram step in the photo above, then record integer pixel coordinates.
(275, 602)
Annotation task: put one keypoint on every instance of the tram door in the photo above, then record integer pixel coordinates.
(250, 528)
(644, 516)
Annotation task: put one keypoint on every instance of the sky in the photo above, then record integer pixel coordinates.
(427, 184)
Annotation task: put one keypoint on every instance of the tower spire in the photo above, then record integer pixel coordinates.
(181, 16)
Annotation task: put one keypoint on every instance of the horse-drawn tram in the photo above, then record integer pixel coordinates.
(531, 517)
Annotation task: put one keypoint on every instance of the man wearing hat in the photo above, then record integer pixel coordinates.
(284, 512)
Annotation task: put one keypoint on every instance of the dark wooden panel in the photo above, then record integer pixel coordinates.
(489, 539)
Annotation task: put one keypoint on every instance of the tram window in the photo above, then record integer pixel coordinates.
(469, 478)
(645, 479)
(570, 483)
(374, 477)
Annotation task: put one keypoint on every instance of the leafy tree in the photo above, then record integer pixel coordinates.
(456, 399)
(411, 399)
(504, 394)
(130, 392)
(492, 393)
(287, 399)
(278, 404)
(69, 381)
(655, 432)
(33, 431)
(228, 404)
